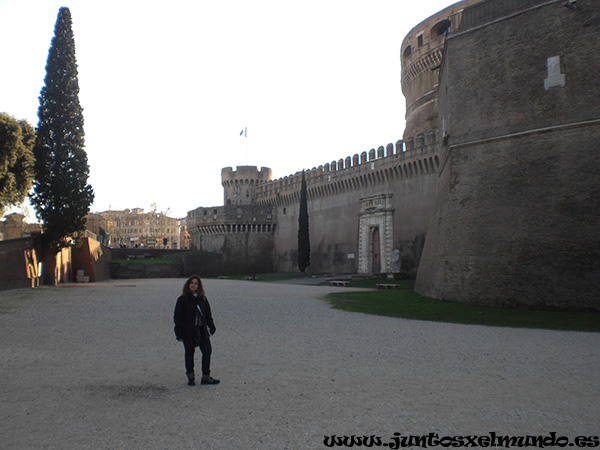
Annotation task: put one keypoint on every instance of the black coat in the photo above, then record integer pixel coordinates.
(186, 311)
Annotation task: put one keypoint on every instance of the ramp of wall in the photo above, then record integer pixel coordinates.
(93, 258)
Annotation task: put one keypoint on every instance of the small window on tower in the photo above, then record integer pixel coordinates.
(440, 28)
(406, 54)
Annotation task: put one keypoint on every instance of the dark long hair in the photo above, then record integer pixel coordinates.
(186, 289)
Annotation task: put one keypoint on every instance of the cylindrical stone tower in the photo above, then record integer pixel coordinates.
(421, 57)
(239, 185)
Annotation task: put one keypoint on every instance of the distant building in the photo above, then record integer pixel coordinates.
(135, 229)
(14, 227)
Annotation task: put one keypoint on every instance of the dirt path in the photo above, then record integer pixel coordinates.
(97, 367)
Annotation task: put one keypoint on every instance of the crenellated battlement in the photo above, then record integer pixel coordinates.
(232, 219)
(413, 157)
(246, 175)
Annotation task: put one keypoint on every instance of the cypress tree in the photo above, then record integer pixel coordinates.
(61, 196)
(303, 235)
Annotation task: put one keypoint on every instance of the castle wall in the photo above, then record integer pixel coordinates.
(336, 193)
(243, 234)
(516, 216)
(502, 91)
(492, 197)
(333, 247)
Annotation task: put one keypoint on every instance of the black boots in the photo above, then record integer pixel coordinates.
(191, 379)
(207, 379)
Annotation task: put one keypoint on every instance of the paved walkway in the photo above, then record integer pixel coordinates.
(97, 367)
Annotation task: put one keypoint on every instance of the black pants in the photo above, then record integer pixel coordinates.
(206, 350)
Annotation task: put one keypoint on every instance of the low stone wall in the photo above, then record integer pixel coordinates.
(141, 269)
(185, 263)
(19, 263)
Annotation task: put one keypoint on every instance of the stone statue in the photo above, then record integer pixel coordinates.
(395, 261)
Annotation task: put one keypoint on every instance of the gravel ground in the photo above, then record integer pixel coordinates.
(97, 366)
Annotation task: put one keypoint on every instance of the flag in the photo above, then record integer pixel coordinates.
(244, 132)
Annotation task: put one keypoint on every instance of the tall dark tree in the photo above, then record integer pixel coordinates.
(61, 197)
(303, 235)
(16, 160)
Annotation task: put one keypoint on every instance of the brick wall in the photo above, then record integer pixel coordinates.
(516, 216)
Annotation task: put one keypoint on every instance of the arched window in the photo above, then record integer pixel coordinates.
(440, 28)
(407, 52)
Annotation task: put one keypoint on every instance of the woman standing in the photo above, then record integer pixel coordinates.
(194, 325)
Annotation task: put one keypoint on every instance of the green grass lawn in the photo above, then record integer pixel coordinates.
(408, 304)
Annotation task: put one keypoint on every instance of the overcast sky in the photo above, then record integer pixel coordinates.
(167, 87)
